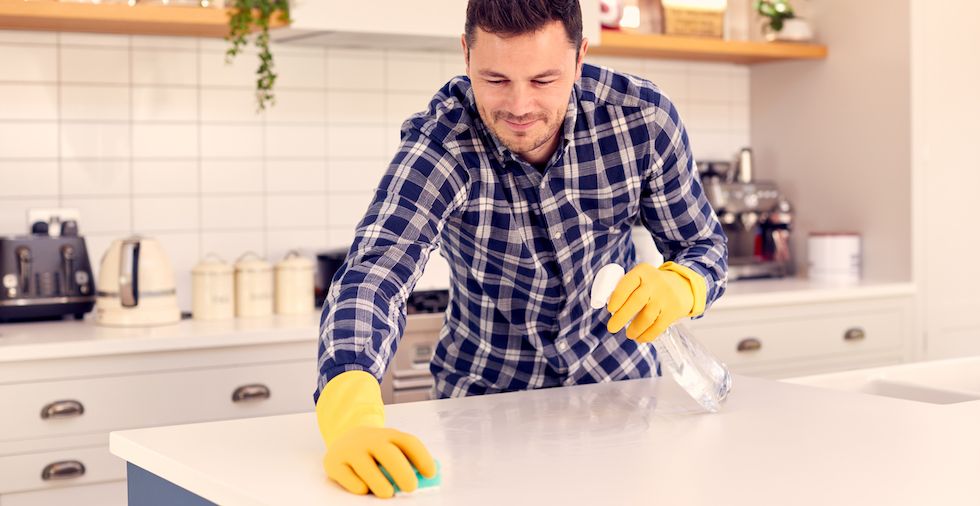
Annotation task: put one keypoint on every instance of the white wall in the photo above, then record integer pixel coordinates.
(157, 136)
(836, 133)
(945, 110)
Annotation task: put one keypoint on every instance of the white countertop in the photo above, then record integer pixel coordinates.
(632, 442)
(66, 339)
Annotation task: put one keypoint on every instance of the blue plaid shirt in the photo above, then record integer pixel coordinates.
(523, 243)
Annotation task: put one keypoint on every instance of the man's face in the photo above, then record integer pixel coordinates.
(522, 85)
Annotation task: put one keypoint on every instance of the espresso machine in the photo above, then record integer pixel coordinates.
(756, 217)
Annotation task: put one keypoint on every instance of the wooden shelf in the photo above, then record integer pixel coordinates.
(622, 43)
(115, 18)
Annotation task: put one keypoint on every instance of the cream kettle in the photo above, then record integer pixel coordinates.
(136, 285)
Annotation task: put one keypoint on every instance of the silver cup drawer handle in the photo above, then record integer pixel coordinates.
(63, 470)
(749, 344)
(247, 393)
(854, 334)
(62, 409)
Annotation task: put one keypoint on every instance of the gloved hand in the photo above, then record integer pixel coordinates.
(654, 299)
(350, 415)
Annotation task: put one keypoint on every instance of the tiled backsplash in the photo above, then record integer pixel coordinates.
(158, 136)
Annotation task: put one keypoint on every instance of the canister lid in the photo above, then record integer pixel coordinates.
(212, 264)
(295, 261)
(252, 262)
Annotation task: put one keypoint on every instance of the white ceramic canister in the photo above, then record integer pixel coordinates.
(834, 257)
(213, 283)
(253, 286)
(294, 284)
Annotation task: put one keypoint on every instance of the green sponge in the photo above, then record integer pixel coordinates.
(424, 483)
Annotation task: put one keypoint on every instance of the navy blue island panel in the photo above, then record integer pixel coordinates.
(148, 489)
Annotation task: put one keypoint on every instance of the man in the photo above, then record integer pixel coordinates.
(528, 174)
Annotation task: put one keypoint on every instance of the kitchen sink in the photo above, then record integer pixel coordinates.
(937, 382)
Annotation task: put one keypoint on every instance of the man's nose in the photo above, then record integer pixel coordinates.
(521, 100)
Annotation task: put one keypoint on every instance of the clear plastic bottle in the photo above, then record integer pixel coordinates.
(695, 369)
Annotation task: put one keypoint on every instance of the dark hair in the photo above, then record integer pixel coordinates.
(517, 17)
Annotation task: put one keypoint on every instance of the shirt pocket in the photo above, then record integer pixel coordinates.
(619, 204)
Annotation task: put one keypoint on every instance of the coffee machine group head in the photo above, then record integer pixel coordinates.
(756, 217)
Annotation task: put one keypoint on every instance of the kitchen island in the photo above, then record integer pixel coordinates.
(632, 442)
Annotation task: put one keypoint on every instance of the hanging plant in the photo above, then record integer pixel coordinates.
(250, 16)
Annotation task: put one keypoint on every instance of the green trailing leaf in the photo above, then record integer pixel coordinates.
(777, 11)
(256, 16)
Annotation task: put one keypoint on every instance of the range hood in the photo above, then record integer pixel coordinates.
(392, 24)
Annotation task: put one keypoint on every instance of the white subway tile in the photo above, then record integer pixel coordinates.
(340, 237)
(355, 176)
(230, 245)
(711, 145)
(355, 107)
(28, 37)
(70, 39)
(232, 212)
(95, 140)
(183, 250)
(216, 71)
(165, 141)
(95, 177)
(28, 63)
(102, 65)
(295, 211)
(295, 141)
(102, 214)
(28, 178)
(709, 86)
(356, 141)
(672, 84)
(296, 105)
(655, 67)
(295, 71)
(400, 106)
(90, 102)
(298, 50)
(391, 138)
(231, 141)
(231, 176)
(435, 273)
(633, 66)
(740, 89)
(13, 213)
(164, 104)
(155, 214)
(740, 117)
(347, 210)
(296, 176)
(228, 104)
(29, 101)
(28, 140)
(96, 245)
(171, 177)
(708, 116)
(307, 241)
(355, 70)
(161, 42)
(414, 72)
(454, 64)
(156, 67)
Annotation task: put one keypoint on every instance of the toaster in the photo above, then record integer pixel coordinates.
(44, 277)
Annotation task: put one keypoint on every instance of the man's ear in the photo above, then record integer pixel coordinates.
(581, 57)
(466, 53)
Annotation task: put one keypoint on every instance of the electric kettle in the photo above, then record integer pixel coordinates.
(136, 285)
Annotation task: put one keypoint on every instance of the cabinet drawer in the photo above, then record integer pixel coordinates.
(64, 468)
(94, 405)
(113, 493)
(781, 339)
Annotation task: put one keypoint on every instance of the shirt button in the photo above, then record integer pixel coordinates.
(562, 346)
(557, 234)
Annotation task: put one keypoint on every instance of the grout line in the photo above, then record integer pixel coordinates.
(199, 160)
(58, 85)
(132, 202)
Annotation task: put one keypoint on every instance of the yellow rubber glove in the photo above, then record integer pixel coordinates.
(654, 299)
(351, 418)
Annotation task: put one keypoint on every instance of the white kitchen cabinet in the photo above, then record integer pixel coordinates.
(783, 340)
(433, 24)
(118, 391)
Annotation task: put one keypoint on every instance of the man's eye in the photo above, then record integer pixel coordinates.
(498, 81)
(541, 83)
